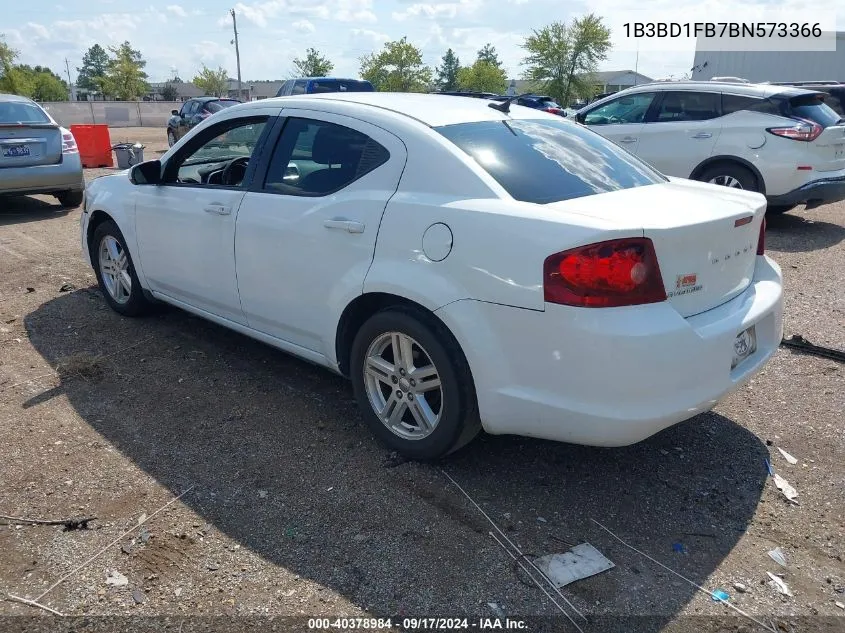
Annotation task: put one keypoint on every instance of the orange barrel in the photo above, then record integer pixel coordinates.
(94, 144)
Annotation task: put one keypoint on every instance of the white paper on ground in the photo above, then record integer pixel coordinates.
(582, 561)
(783, 485)
(787, 456)
(778, 584)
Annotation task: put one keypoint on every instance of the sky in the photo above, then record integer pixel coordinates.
(178, 36)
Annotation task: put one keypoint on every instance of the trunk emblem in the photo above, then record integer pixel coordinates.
(743, 221)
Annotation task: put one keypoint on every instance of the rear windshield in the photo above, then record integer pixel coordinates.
(16, 112)
(216, 106)
(547, 161)
(814, 108)
(341, 85)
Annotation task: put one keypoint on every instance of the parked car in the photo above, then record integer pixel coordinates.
(316, 85)
(538, 102)
(783, 142)
(193, 112)
(37, 155)
(834, 91)
(463, 266)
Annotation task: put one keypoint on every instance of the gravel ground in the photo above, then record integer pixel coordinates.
(293, 509)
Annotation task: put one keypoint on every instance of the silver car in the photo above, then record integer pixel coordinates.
(37, 156)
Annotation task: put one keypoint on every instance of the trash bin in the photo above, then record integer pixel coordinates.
(128, 154)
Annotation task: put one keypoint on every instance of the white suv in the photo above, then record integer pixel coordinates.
(783, 142)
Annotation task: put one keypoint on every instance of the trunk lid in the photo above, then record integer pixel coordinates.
(30, 145)
(705, 236)
(830, 146)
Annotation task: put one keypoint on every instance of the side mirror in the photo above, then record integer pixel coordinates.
(579, 117)
(174, 112)
(146, 173)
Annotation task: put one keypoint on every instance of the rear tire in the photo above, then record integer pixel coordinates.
(422, 403)
(70, 199)
(116, 272)
(730, 175)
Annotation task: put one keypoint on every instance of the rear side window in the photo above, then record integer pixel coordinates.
(340, 85)
(216, 106)
(686, 105)
(738, 103)
(15, 112)
(813, 108)
(547, 161)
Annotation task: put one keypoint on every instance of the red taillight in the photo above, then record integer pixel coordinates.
(761, 241)
(604, 275)
(69, 144)
(803, 130)
(553, 110)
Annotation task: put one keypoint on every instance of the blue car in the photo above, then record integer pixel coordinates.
(314, 85)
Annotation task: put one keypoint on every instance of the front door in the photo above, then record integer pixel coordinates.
(622, 119)
(186, 226)
(306, 237)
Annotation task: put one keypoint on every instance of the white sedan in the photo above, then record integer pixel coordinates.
(466, 267)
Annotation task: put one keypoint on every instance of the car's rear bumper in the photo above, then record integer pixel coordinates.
(814, 193)
(614, 376)
(64, 176)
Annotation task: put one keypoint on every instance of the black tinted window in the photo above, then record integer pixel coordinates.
(688, 106)
(813, 108)
(737, 103)
(547, 161)
(15, 112)
(299, 87)
(216, 106)
(340, 85)
(315, 158)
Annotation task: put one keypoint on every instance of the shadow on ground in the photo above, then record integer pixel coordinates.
(795, 233)
(22, 209)
(194, 404)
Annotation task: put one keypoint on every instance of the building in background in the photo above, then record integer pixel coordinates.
(604, 81)
(775, 66)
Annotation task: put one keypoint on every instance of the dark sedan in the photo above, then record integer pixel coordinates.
(194, 111)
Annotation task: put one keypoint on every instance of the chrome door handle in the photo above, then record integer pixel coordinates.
(344, 225)
(219, 209)
(703, 135)
(628, 139)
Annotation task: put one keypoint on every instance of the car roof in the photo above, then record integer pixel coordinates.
(329, 79)
(752, 90)
(431, 109)
(17, 98)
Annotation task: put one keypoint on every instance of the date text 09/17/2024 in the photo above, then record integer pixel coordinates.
(416, 624)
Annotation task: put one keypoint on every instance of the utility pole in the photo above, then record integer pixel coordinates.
(69, 82)
(237, 51)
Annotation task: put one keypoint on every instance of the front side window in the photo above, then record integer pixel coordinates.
(548, 161)
(299, 87)
(627, 109)
(221, 160)
(684, 105)
(315, 158)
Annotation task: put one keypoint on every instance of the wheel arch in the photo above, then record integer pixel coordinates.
(722, 159)
(98, 217)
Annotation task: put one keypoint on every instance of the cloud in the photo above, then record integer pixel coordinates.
(437, 11)
(373, 36)
(303, 26)
(177, 10)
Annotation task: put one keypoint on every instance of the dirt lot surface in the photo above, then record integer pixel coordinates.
(293, 509)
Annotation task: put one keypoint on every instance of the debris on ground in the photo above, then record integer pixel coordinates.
(741, 588)
(787, 456)
(679, 548)
(778, 556)
(29, 289)
(582, 561)
(779, 585)
(138, 596)
(799, 343)
(116, 579)
(839, 604)
(720, 596)
(500, 613)
(69, 524)
(67, 288)
(783, 485)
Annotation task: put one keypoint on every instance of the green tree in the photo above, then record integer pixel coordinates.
(488, 54)
(447, 72)
(95, 64)
(43, 84)
(483, 76)
(169, 92)
(563, 58)
(212, 82)
(12, 80)
(312, 65)
(398, 67)
(125, 77)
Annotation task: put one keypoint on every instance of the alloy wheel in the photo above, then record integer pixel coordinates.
(114, 269)
(726, 181)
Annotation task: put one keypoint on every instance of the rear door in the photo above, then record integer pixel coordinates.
(622, 119)
(27, 136)
(680, 131)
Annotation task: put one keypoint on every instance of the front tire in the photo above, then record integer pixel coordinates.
(730, 175)
(413, 384)
(116, 272)
(70, 199)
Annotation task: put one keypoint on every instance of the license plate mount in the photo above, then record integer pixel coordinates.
(745, 344)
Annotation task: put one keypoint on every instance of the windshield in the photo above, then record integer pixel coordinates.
(216, 106)
(547, 161)
(20, 112)
(341, 85)
(814, 108)
(236, 143)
